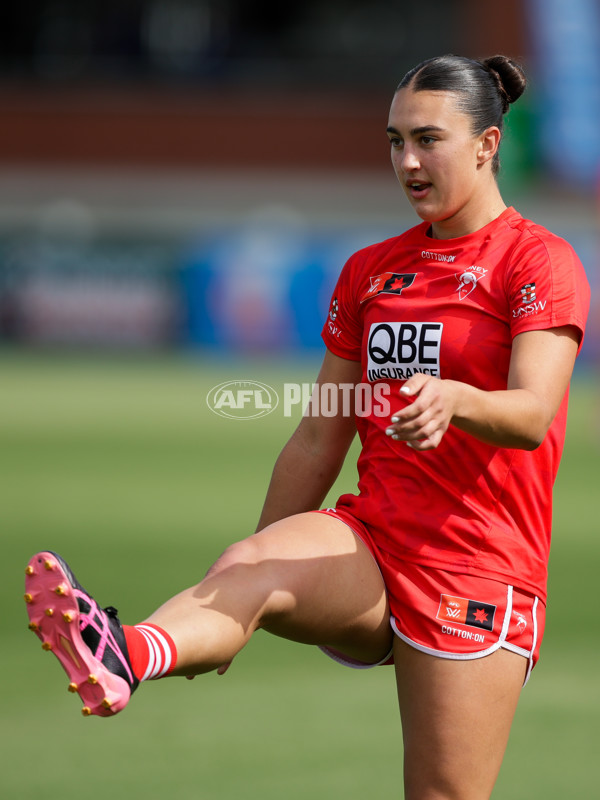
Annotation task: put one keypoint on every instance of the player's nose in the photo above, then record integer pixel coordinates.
(409, 161)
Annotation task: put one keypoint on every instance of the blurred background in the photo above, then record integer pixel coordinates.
(193, 173)
(181, 182)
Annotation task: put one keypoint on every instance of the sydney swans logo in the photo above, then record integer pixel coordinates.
(468, 279)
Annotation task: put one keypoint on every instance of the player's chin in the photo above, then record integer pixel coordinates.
(428, 212)
(435, 208)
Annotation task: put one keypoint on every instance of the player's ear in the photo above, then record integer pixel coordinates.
(488, 143)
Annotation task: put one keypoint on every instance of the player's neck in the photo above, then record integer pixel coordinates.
(472, 217)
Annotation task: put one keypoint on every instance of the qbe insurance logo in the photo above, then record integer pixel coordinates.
(242, 399)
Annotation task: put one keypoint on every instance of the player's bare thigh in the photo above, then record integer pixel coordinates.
(456, 718)
(307, 578)
(335, 594)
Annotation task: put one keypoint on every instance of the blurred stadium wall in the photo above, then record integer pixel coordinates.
(179, 173)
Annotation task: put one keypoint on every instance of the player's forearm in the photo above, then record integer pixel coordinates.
(302, 476)
(516, 418)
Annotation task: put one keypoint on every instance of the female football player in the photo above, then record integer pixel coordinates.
(469, 324)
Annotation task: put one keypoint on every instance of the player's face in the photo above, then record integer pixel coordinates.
(438, 161)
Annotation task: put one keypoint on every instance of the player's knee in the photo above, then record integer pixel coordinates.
(247, 569)
(244, 553)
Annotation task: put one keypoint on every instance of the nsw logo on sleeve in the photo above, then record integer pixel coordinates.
(398, 350)
(530, 303)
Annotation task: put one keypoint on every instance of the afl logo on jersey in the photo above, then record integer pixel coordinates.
(389, 283)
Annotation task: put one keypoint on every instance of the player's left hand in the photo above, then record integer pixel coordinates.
(423, 422)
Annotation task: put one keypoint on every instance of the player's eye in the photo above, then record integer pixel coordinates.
(396, 141)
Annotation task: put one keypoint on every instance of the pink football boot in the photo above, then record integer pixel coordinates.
(87, 640)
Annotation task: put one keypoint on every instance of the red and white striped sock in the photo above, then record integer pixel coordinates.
(152, 652)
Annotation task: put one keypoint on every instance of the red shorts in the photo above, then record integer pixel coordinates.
(452, 615)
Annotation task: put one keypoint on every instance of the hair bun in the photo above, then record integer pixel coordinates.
(508, 75)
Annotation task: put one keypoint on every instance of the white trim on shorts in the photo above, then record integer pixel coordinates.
(521, 651)
(346, 661)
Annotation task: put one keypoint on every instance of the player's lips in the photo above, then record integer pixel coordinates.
(418, 189)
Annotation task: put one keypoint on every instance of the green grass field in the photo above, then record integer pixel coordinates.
(119, 465)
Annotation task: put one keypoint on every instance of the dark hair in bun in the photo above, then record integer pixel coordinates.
(485, 88)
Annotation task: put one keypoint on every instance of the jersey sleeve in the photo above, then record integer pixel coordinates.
(547, 286)
(342, 332)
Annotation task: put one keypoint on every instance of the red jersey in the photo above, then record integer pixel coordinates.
(450, 308)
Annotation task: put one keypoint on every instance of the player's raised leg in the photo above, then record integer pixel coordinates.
(456, 717)
(307, 578)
